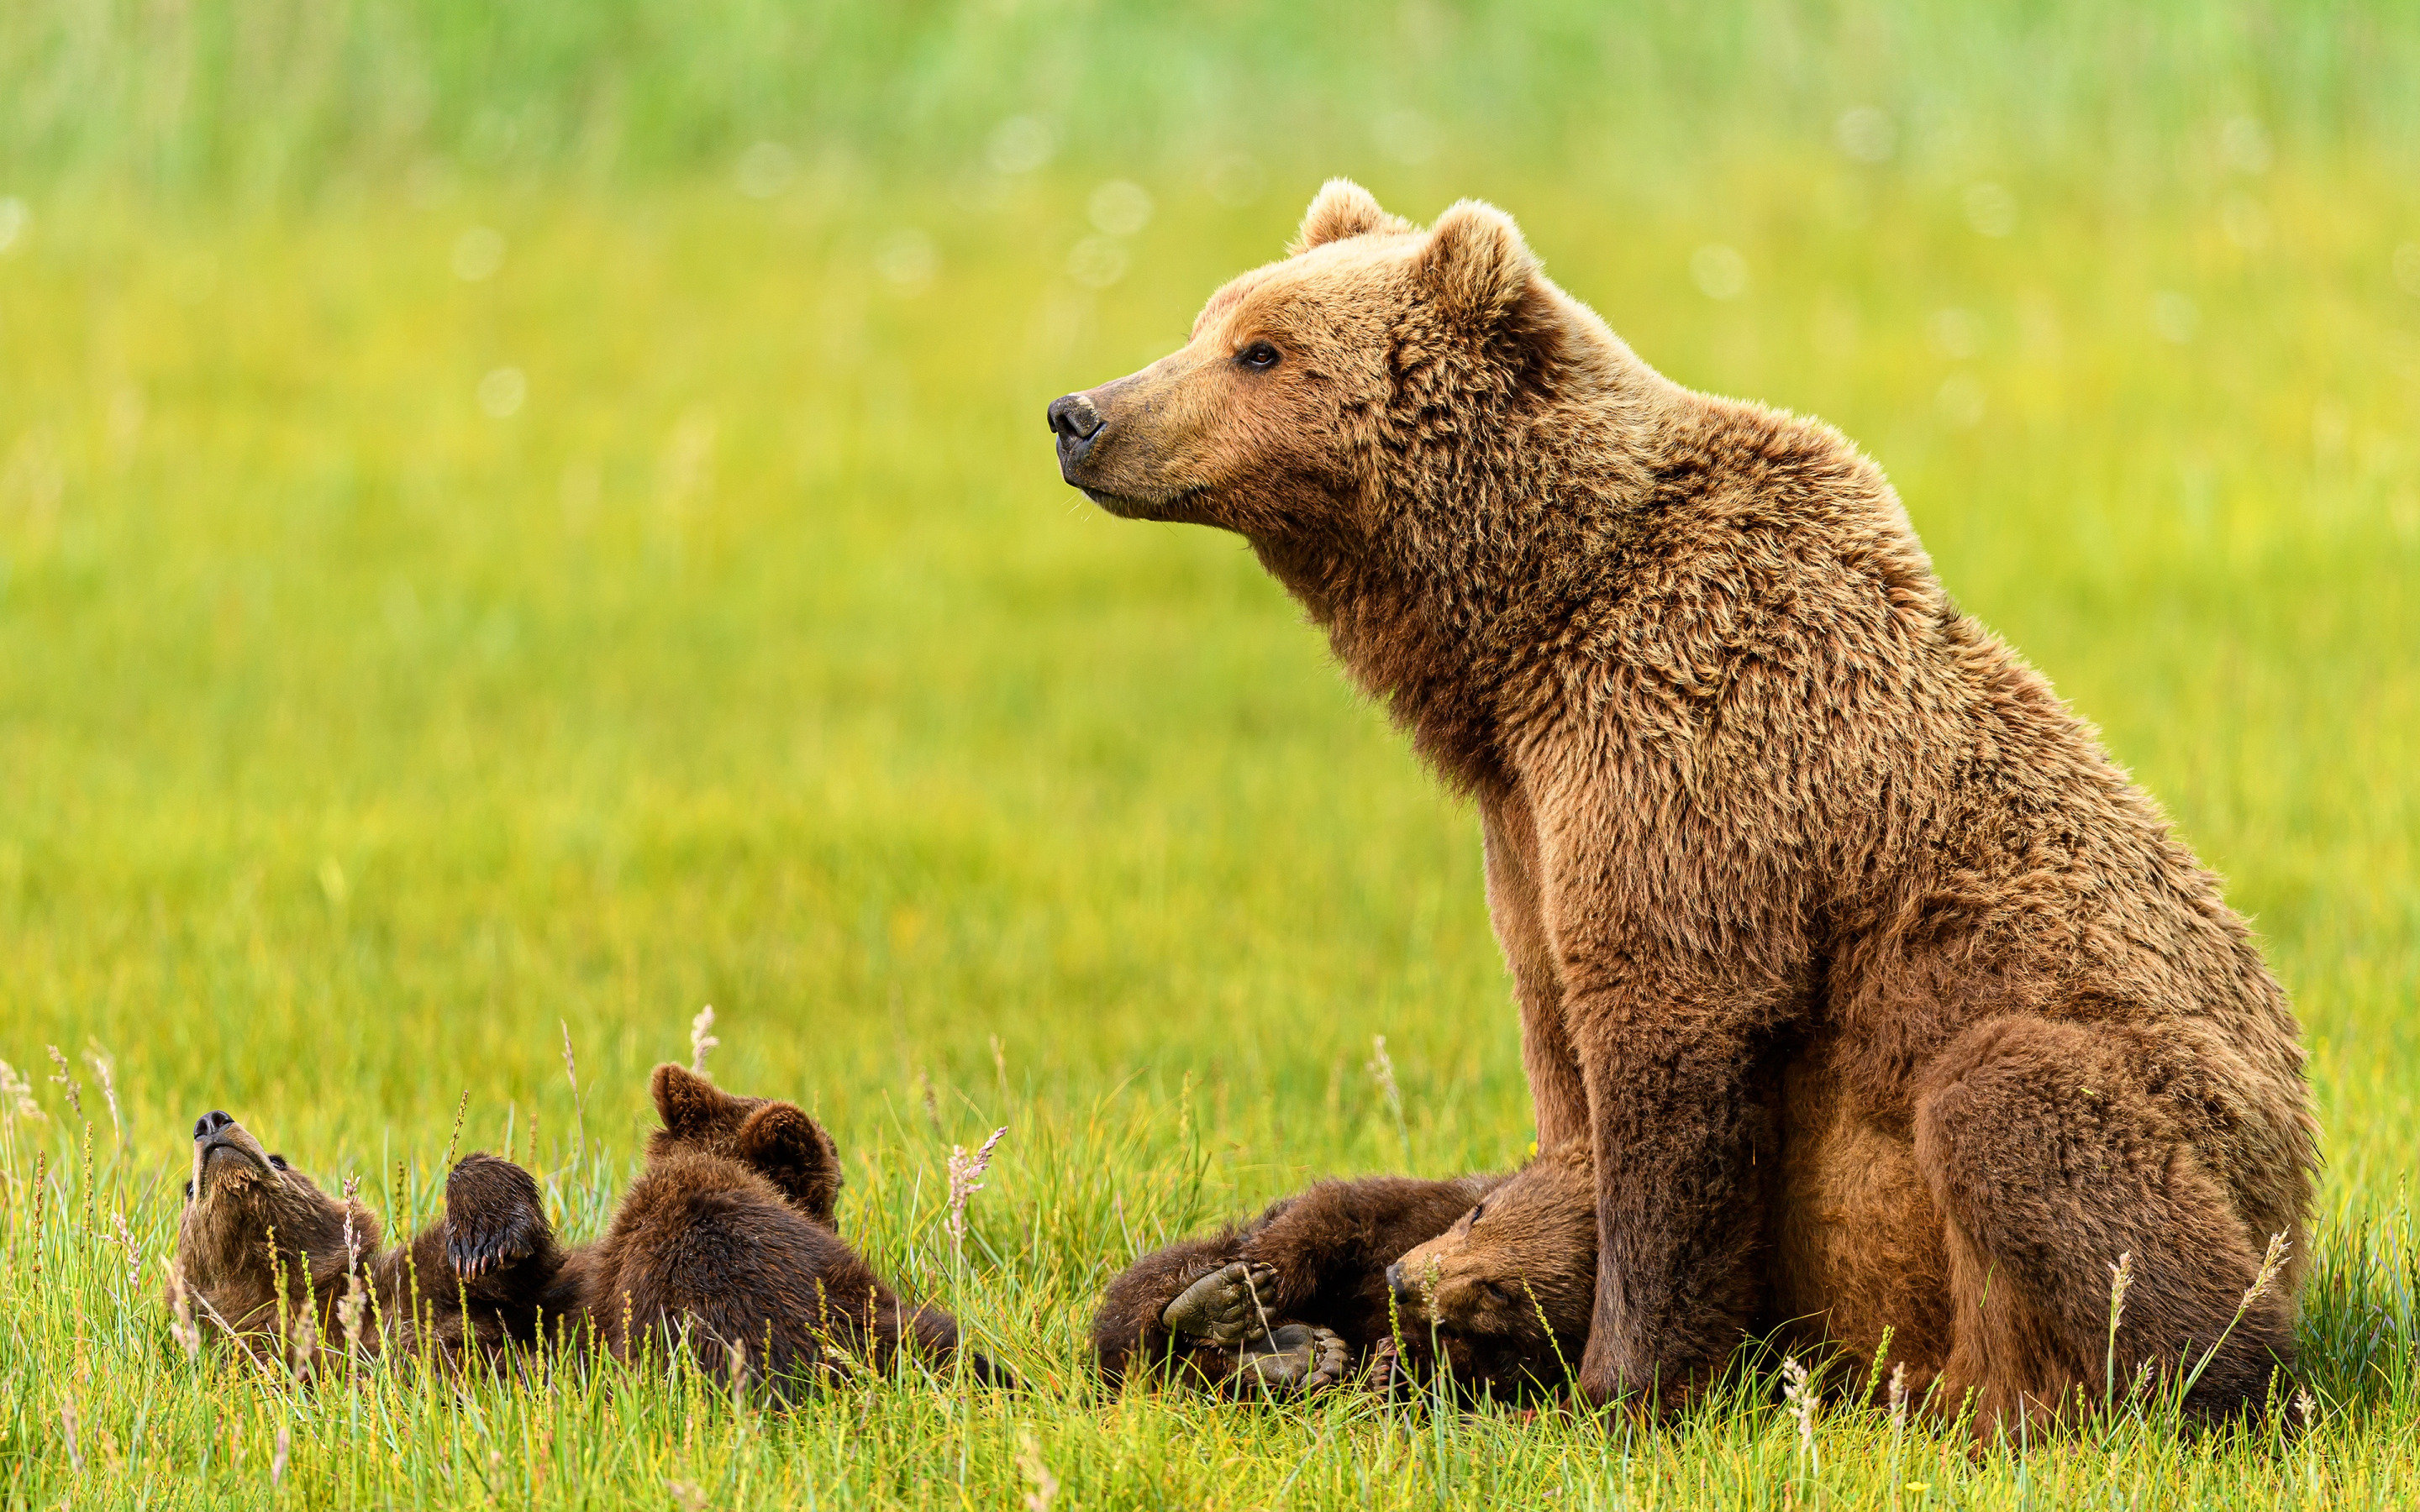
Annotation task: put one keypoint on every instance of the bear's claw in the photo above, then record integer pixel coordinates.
(1292, 1358)
(492, 1217)
(1227, 1306)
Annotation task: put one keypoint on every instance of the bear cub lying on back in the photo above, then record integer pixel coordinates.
(727, 1241)
(1490, 1276)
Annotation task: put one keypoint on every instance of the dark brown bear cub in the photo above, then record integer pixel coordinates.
(725, 1244)
(264, 1255)
(1492, 1274)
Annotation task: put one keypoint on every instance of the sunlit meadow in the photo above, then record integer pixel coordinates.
(508, 537)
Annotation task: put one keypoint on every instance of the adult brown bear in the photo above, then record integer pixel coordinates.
(1883, 996)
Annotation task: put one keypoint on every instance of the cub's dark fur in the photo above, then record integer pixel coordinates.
(1491, 1291)
(267, 1257)
(726, 1241)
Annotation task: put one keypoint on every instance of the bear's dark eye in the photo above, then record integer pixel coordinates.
(1476, 1213)
(1259, 356)
(277, 1160)
(189, 1191)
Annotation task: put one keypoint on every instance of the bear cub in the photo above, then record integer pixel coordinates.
(726, 1244)
(728, 1240)
(289, 1270)
(1490, 1277)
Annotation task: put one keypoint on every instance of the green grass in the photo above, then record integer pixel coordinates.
(355, 745)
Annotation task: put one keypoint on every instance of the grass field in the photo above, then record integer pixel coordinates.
(447, 609)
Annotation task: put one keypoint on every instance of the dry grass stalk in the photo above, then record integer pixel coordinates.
(104, 1070)
(2273, 1262)
(701, 1038)
(127, 1246)
(68, 1426)
(579, 1118)
(65, 1079)
(350, 1307)
(181, 1327)
(17, 1095)
(2121, 1281)
(277, 1457)
(965, 1179)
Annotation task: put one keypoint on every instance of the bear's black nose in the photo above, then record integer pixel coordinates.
(1072, 416)
(210, 1123)
(1401, 1284)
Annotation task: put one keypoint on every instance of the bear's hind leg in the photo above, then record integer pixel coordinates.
(2047, 1161)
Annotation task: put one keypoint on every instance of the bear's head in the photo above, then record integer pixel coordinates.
(256, 1230)
(1512, 1285)
(777, 1140)
(1288, 415)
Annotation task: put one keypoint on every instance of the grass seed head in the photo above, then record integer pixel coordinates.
(104, 1070)
(65, 1079)
(1798, 1397)
(17, 1095)
(701, 1038)
(2121, 1281)
(965, 1179)
(2272, 1263)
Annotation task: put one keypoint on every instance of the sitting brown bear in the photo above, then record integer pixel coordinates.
(1891, 1006)
(289, 1270)
(727, 1238)
(1493, 1276)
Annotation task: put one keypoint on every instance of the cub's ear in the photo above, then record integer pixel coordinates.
(686, 1101)
(1476, 262)
(1342, 208)
(791, 1151)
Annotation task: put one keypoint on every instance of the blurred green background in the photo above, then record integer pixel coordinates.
(526, 519)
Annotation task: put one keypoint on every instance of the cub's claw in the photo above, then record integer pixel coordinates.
(1294, 1360)
(492, 1217)
(1386, 1368)
(1227, 1306)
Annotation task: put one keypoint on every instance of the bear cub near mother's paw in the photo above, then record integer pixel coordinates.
(1492, 1275)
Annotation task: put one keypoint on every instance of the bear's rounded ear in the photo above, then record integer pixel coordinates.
(1476, 262)
(684, 1100)
(1342, 208)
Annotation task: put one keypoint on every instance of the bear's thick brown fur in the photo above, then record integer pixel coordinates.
(268, 1259)
(725, 1244)
(1902, 1007)
(1493, 1274)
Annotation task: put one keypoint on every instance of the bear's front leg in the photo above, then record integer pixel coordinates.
(1683, 1134)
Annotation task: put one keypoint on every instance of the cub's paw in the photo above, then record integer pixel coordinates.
(1225, 1306)
(493, 1216)
(1292, 1360)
